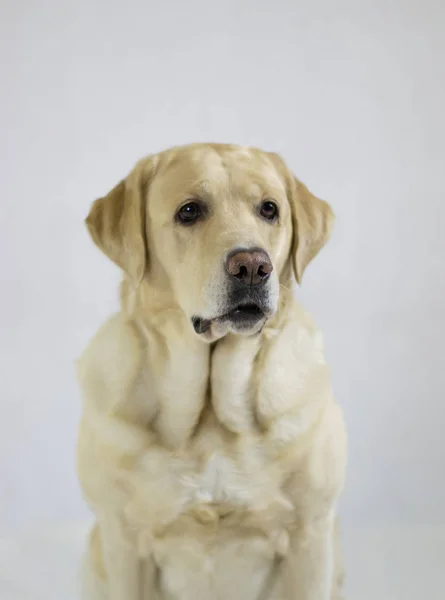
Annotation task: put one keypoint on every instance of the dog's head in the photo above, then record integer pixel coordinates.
(216, 225)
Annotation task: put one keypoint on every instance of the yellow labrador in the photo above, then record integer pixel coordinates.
(211, 449)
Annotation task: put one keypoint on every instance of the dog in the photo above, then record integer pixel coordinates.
(211, 450)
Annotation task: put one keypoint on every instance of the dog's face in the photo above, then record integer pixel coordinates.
(217, 225)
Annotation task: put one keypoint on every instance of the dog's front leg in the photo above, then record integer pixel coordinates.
(130, 576)
(308, 568)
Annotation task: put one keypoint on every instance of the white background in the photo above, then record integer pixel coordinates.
(352, 93)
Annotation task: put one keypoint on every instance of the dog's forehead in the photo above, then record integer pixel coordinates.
(219, 168)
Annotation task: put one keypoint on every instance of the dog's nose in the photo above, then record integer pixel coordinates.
(249, 267)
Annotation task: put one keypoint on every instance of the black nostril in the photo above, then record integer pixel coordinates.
(243, 272)
(261, 272)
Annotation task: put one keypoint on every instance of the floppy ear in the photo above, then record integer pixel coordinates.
(312, 221)
(116, 222)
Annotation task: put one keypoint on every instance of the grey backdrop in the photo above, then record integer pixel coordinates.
(351, 93)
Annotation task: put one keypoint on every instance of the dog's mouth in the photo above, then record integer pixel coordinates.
(245, 313)
(242, 317)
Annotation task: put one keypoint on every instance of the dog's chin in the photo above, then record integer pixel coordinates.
(244, 320)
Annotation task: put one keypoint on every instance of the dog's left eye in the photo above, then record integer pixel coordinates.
(269, 210)
(189, 213)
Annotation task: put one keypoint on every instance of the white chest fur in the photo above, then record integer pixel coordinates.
(212, 479)
(214, 508)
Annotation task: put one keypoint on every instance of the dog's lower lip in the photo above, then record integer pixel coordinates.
(240, 314)
(200, 325)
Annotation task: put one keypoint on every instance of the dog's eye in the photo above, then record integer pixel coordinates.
(269, 210)
(189, 213)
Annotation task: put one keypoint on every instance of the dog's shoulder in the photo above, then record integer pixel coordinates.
(296, 339)
(110, 364)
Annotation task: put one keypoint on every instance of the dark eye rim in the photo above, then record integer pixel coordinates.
(275, 216)
(201, 210)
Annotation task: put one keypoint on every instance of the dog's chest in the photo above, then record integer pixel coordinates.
(224, 519)
(225, 467)
(214, 482)
(243, 480)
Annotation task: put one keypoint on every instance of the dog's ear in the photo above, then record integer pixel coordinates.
(116, 222)
(312, 221)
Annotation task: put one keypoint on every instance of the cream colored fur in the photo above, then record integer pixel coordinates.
(213, 463)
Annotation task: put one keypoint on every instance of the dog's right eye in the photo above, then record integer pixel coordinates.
(189, 213)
